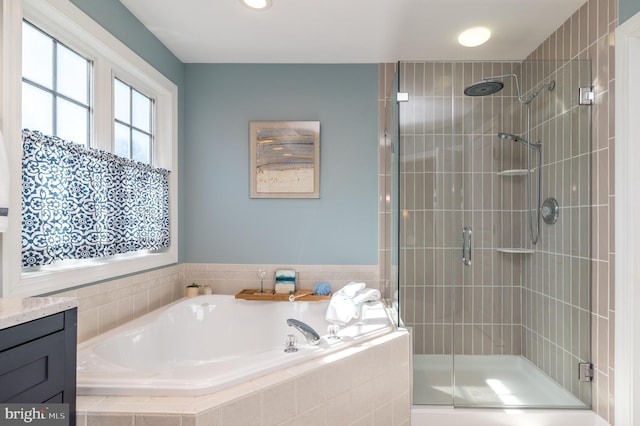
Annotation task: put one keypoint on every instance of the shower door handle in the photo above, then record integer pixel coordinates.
(466, 245)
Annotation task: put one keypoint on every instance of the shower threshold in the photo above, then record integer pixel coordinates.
(497, 381)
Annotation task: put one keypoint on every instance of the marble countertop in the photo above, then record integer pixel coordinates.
(14, 311)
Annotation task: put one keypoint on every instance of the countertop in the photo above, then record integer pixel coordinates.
(14, 311)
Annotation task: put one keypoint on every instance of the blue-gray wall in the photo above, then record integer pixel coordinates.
(222, 223)
(218, 221)
(627, 8)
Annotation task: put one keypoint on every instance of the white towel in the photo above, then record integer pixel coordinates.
(351, 289)
(4, 186)
(343, 309)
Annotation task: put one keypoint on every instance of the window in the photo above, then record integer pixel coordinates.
(55, 87)
(133, 123)
(76, 81)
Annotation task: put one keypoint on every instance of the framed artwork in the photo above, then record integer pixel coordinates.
(284, 159)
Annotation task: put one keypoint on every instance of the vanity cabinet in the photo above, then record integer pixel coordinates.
(38, 361)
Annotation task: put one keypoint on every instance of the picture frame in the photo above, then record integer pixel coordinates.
(284, 159)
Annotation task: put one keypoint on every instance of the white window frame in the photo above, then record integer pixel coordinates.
(111, 58)
(55, 94)
(152, 119)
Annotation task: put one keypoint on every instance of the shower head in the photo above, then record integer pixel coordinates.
(484, 88)
(493, 84)
(515, 138)
(489, 85)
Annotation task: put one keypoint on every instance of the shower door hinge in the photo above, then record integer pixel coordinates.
(586, 95)
(585, 371)
(402, 97)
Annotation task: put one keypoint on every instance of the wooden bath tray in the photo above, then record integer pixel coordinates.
(253, 294)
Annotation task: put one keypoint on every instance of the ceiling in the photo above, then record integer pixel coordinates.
(348, 31)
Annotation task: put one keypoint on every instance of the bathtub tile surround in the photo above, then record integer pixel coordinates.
(187, 349)
(232, 278)
(369, 384)
(104, 306)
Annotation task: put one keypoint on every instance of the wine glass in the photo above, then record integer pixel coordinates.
(261, 274)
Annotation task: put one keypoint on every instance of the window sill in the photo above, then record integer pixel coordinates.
(54, 279)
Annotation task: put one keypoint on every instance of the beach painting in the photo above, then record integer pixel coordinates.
(284, 159)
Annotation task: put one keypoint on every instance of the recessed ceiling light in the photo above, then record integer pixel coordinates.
(257, 4)
(474, 36)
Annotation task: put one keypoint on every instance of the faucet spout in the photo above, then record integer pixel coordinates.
(313, 338)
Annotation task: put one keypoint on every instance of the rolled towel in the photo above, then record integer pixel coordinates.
(343, 309)
(367, 295)
(351, 289)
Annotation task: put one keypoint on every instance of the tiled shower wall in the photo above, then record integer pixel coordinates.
(556, 277)
(450, 156)
(589, 34)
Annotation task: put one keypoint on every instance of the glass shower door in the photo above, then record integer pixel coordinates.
(500, 304)
(431, 178)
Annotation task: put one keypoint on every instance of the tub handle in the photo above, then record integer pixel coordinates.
(290, 343)
(466, 245)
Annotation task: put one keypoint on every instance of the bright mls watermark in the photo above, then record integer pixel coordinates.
(34, 414)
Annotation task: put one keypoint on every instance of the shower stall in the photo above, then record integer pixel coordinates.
(494, 231)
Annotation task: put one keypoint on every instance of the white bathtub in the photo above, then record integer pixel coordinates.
(204, 344)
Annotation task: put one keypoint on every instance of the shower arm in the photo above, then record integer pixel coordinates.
(550, 86)
(513, 76)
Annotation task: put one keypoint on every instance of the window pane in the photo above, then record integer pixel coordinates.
(36, 109)
(121, 140)
(37, 56)
(141, 111)
(72, 75)
(71, 122)
(141, 147)
(121, 101)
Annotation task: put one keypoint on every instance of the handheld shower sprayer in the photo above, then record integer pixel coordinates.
(515, 138)
(491, 85)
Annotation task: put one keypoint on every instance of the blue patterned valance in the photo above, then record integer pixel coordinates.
(80, 203)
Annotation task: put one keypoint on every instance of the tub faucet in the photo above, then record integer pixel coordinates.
(309, 333)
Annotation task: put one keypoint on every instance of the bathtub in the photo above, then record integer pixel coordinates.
(204, 344)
